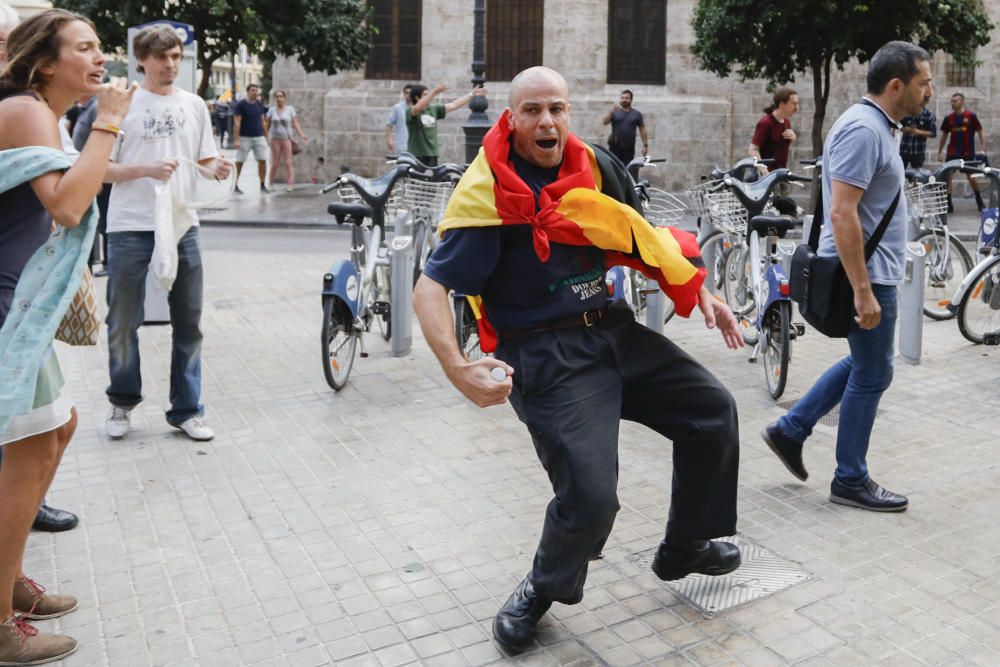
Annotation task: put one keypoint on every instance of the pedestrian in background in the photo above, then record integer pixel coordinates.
(959, 130)
(425, 112)
(917, 129)
(396, 137)
(282, 119)
(53, 59)
(862, 186)
(165, 124)
(250, 134)
(624, 120)
(773, 136)
(772, 140)
(81, 132)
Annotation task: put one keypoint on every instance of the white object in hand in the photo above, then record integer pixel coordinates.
(498, 374)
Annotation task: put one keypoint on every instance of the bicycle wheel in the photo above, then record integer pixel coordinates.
(421, 249)
(669, 309)
(946, 264)
(383, 295)
(979, 311)
(777, 348)
(466, 329)
(340, 342)
(739, 291)
(713, 252)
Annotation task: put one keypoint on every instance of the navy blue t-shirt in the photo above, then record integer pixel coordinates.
(251, 114)
(499, 263)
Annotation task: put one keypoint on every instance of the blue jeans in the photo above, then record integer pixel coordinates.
(856, 382)
(128, 262)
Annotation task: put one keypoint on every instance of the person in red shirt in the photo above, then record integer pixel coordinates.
(774, 134)
(959, 129)
(772, 139)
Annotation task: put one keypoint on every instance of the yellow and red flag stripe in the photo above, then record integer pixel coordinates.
(572, 210)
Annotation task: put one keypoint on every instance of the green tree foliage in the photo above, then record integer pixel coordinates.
(777, 39)
(325, 35)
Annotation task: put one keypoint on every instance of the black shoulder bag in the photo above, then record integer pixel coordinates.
(820, 285)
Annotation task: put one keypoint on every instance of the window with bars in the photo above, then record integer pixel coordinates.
(958, 75)
(637, 41)
(395, 52)
(513, 37)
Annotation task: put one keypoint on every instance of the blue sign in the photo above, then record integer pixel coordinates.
(184, 31)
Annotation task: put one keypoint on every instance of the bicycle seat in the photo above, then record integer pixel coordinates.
(442, 172)
(356, 212)
(771, 224)
(375, 191)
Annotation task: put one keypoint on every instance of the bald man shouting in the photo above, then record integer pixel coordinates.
(531, 229)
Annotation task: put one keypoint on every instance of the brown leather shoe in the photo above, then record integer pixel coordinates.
(31, 601)
(22, 644)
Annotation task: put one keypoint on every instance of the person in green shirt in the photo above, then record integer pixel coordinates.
(425, 111)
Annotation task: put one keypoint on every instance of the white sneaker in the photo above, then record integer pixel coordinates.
(117, 422)
(196, 429)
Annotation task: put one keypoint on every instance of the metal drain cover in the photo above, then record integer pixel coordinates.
(761, 574)
(831, 418)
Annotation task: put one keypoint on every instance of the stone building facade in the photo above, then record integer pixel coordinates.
(694, 119)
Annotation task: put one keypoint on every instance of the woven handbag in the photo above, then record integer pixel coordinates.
(80, 324)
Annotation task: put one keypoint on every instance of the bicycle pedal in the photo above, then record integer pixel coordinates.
(798, 329)
(992, 338)
(380, 307)
(752, 360)
(363, 355)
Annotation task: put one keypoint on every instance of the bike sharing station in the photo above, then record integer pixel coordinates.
(156, 310)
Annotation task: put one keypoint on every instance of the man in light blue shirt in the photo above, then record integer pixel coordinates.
(396, 136)
(862, 177)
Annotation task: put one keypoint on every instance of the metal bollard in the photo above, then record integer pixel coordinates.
(655, 306)
(401, 305)
(911, 304)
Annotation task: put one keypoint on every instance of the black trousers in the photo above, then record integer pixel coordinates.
(626, 155)
(572, 386)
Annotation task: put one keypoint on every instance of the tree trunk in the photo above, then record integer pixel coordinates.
(820, 94)
(205, 60)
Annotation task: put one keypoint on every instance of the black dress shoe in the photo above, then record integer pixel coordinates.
(53, 520)
(514, 625)
(787, 450)
(676, 561)
(868, 496)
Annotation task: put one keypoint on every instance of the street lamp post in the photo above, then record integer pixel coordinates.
(475, 128)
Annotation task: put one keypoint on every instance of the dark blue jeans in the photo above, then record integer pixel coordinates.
(128, 262)
(856, 382)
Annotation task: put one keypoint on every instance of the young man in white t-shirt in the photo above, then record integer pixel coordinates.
(164, 126)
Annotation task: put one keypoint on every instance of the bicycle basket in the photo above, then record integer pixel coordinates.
(925, 200)
(426, 199)
(696, 198)
(726, 212)
(663, 208)
(393, 207)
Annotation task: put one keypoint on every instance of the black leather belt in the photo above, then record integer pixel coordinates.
(586, 319)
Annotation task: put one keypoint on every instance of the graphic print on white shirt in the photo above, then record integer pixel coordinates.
(163, 123)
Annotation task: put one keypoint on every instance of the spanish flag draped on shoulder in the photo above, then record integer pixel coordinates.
(573, 211)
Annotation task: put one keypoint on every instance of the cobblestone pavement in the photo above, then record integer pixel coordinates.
(385, 525)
